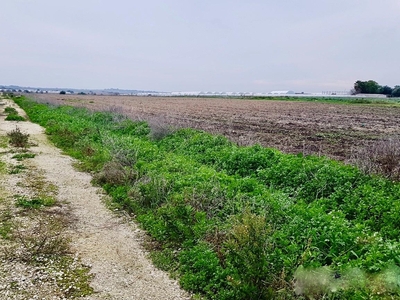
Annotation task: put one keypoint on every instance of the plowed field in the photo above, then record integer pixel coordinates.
(331, 129)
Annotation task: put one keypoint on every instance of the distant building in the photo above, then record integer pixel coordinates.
(282, 92)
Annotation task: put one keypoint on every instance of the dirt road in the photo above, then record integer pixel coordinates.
(108, 244)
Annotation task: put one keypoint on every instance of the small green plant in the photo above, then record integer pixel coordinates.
(5, 224)
(22, 156)
(12, 114)
(3, 167)
(17, 169)
(18, 139)
(10, 110)
(35, 202)
(14, 118)
(75, 279)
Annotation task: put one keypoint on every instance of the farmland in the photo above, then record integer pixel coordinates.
(235, 222)
(332, 129)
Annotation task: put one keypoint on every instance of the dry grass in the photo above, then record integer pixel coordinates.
(381, 157)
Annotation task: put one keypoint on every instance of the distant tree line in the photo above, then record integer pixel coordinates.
(372, 87)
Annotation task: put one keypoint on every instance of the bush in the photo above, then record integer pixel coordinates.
(18, 139)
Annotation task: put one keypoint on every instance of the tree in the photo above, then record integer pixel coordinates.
(396, 91)
(386, 90)
(367, 87)
(62, 93)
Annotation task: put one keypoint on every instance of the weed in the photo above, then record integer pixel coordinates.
(3, 141)
(37, 238)
(74, 281)
(3, 167)
(39, 186)
(114, 173)
(10, 110)
(22, 156)
(35, 202)
(12, 114)
(18, 139)
(16, 169)
(14, 118)
(159, 130)
(5, 224)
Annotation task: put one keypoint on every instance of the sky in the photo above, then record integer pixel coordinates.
(209, 45)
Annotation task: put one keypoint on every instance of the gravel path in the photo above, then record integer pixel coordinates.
(111, 245)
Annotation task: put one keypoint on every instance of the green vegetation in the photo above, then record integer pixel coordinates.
(3, 141)
(3, 167)
(372, 87)
(16, 169)
(12, 114)
(22, 156)
(34, 203)
(5, 224)
(240, 222)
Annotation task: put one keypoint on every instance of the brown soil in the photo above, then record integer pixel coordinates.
(331, 129)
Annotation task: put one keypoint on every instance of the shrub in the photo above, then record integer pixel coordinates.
(18, 139)
(159, 129)
(114, 173)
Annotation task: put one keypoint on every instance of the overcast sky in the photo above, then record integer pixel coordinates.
(208, 45)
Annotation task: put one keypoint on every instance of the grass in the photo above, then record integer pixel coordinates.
(10, 110)
(12, 114)
(34, 203)
(22, 156)
(239, 222)
(3, 167)
(17, 169)
(5, 224)
(4, 141)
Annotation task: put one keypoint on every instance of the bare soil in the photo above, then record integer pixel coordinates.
(106, 242)
(332, 129)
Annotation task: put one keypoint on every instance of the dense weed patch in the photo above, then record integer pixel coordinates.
(12, 114)
(240, 222)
